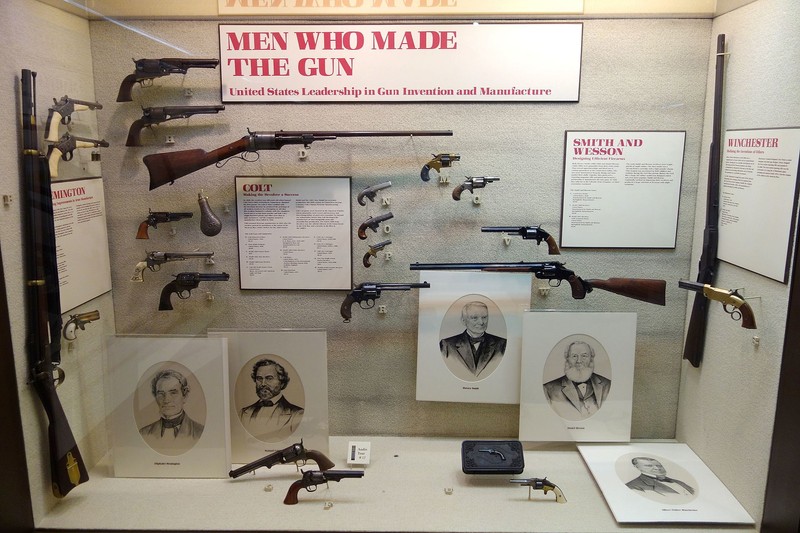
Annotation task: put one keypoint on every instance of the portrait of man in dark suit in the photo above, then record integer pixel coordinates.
(580, 392)
(474, 348)
(272, 417)
(654, 480)
(175, 431)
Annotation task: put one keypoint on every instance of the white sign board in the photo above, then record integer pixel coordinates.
(84, 269)
(758, 189)
(621, 188)
(294, 232)
(400, 62)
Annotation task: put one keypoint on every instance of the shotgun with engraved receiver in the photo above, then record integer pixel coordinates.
(166, 167)
(652, 291)
(528, 232)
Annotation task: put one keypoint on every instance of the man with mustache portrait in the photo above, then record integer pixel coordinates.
(580, 392)
(272, 417)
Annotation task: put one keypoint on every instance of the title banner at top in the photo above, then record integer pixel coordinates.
(400, 62)
(399, 7)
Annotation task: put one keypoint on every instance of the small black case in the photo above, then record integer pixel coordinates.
(492, 457)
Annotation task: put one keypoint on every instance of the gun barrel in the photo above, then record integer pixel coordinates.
(691, 285)
(489, 267)
(336, 475)
(402, 286)
(504, 229)
(267, 461)
(367, 133)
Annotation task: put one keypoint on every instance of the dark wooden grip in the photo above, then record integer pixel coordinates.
(291, 494)
(322, 461)
(552, 246)
(141, 233)
(748, 319)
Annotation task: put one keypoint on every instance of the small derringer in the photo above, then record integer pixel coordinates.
(372, 223)
(370, 192)
(438, 162)
(373, 251)
(535, 483)
(732, 302)
(79, 321)
(471, 183)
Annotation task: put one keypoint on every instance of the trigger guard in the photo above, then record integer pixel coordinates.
(67, 156)
(180, 294)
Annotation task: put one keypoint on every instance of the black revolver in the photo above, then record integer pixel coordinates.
(366, 294)
(296, 453)
(149, 69)
(183, 284)
(156, 115)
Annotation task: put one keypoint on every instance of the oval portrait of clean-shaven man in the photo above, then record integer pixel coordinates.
(169, 408)
(269, 398)
(577, 377)
(656, 478)
(473, 337)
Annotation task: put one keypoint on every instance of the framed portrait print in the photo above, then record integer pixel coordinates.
(168, 400)
(470, 333)
(660, 482)
(278, 384)
(577, 376)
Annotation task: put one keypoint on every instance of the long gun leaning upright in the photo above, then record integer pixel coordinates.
(167, 167)
(44, 309)
(652, 291)
(707, 269)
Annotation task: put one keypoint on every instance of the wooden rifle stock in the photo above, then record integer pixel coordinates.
(167, 167)
(652, 291)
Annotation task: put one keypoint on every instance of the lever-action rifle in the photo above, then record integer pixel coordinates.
(156, 115)
(146, 70)
(64, 147)
(528, 232)
(732, 302)
(438, 162)
(470, 183)
(707, 268)
(652, 291)
(67, 469)
(167, 167)
(312, 478)
(296, 453)
(61, 111)
(366, 294)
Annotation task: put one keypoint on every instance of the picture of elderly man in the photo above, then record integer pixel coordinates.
(580, 392)
(474, 348)
(654, 479)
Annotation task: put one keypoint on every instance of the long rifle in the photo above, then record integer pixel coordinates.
(707, 269)
(167, 167)
(44, 308)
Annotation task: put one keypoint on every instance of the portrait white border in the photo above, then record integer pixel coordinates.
(128, 357)
(713, 502)
(510, 292)
(307, 352)
(542, 332)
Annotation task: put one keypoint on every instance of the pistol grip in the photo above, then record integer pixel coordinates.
(124, 94)
(457, 192)
(346, 309)
(552, 246)
(165, 304)
(142, 232)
